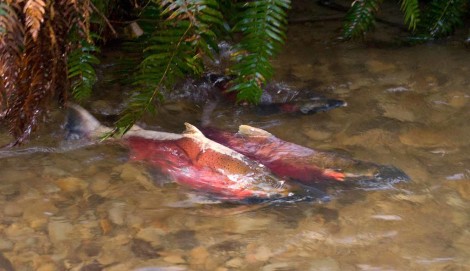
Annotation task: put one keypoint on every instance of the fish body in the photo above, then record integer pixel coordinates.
(297, 162)
(191, 159)
(276, 98)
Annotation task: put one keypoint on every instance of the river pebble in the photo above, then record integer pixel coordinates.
(198, 256)
(100, 183)
(277, 267)
(306, 71)
(9, 189)
(235, 262)
(60, 231)
(317, 134)
(12, 209)
(72, 184)
(38, 212)
(5, 244)
(246, 224)
(116, 213)
(458, 99)
(374, 138)
(120, 267)
(17, 230)
(47, 267)
(463, 241)
(423, 138)
(397, 111)
(325, 264)
(143, 249)
(151, 235)
(134, 173)
(377, 66)
(182, 239)
(134, 221)
(174, 259)
(53, 171)
(257, 253)
(463, 187)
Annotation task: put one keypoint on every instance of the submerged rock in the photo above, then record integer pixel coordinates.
(143, 249)
(198, 256)
(12, 209)
(325, 264)
(151, 235)
(60, 231)
(377, 66)
(72, 184)
(117, 213)
(5, 245)
(235, 262)
(424, 138)
(174, 259)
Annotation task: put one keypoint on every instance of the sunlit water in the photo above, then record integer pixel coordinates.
(76, 206)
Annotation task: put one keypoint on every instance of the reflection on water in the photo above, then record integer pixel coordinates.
(88, 208)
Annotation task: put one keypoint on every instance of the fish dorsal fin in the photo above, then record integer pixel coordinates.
(247, 130)
(192, 130)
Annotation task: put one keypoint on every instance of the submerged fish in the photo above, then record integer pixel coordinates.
(190, 159)
(300, 163)
(277, 98)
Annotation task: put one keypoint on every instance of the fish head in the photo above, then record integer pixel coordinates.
(81, 124)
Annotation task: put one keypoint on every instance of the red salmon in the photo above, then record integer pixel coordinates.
(297, 162)
(191, 159)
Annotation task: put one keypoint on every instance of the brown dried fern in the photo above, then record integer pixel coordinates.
(33, 63)
(34, 16)
(11, 41)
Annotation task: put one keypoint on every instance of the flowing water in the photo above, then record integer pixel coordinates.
(79, 206)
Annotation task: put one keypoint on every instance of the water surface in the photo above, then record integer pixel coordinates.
(86, 207)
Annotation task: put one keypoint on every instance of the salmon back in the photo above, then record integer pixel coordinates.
(201, 167)
(282, 157)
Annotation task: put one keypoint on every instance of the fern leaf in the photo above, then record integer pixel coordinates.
(442, 17)
(173, 52)
(360, 18)
(81, 71)
(34, 12)
(263, 25)
(412, 12)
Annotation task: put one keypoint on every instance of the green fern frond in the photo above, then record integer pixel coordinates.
(81, 71)
(174, 50)
(360, 18)
(442, 17)
(3, 13)
(412, 12)
(263, 25)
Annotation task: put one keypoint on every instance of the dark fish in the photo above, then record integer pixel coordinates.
(276, 98)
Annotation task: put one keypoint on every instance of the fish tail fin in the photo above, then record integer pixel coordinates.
(81, 124)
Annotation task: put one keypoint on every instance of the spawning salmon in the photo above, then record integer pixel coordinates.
(190, 159)
(308, 166)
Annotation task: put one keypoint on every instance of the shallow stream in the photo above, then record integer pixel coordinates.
(65, 207)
